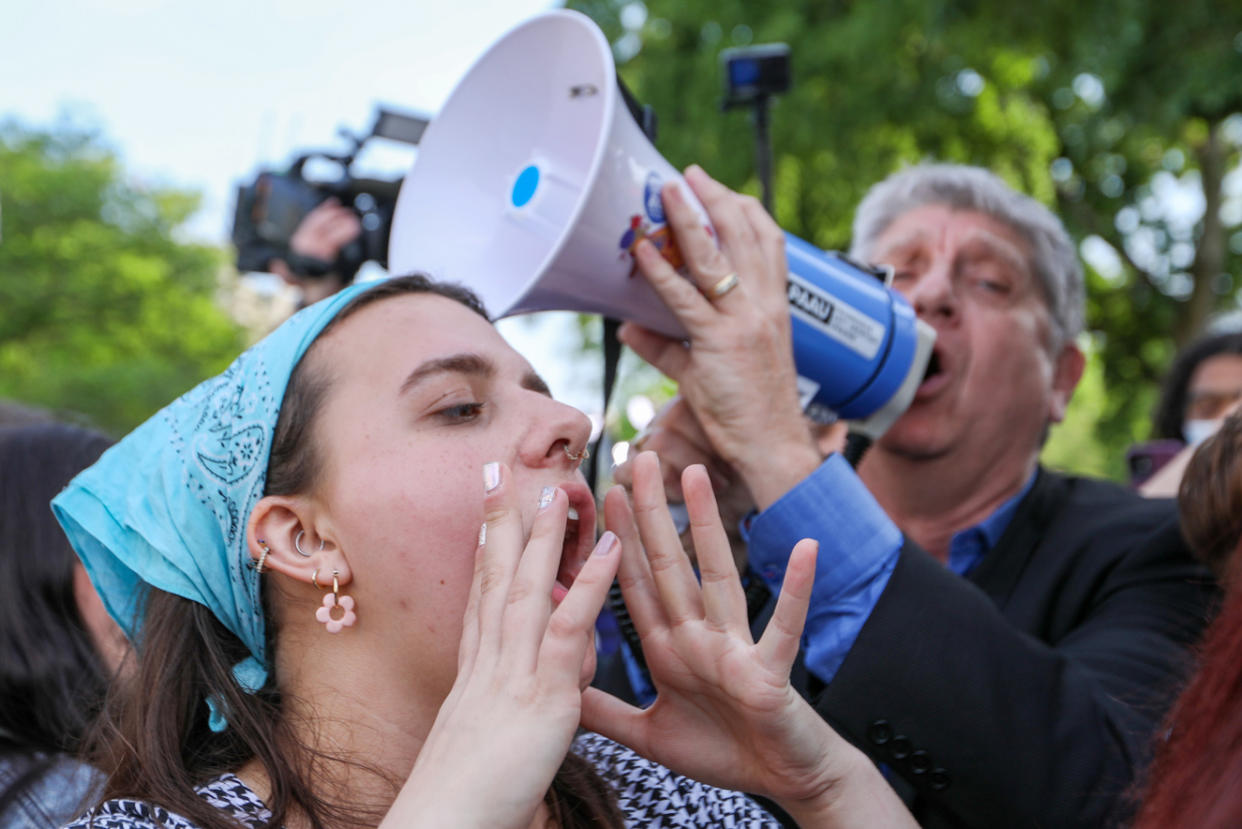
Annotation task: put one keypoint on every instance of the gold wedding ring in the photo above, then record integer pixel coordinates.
(723, 287)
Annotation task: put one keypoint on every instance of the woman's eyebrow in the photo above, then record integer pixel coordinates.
(534, 382)
(471, 364)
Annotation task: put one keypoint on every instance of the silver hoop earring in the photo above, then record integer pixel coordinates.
(297, 545)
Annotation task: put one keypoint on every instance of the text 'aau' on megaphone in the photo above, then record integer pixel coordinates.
(533, 184)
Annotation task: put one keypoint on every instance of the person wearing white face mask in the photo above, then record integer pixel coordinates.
(1203, 385)
(1215, 387)
(1197, 431)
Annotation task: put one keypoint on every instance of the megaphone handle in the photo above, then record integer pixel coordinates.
(612, 356)
(856, 445)
(642, 114)
(625, 624)
(616, 603)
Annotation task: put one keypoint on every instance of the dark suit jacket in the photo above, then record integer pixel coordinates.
(1028, 693)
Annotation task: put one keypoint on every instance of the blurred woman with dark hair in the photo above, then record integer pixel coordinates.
(57, 644)
(1202, 386)
(1204, 381)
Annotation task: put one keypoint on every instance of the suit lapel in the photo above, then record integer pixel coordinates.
(999, 572)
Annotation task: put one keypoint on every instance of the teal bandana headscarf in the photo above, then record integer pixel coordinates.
(167, 506)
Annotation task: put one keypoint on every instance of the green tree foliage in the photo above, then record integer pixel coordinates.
(1112, 113)
(102, 310)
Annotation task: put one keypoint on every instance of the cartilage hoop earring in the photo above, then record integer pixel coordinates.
(297, 545)
(263, 551)
(334, 600)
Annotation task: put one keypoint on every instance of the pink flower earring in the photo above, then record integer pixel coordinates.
(333, 600)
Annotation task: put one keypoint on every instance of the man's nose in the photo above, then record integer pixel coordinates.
(934, 294)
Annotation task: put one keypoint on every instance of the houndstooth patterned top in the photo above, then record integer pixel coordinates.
(649, 795)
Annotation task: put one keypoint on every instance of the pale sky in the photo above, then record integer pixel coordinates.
(202, 95)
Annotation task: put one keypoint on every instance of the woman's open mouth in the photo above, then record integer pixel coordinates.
(579, 537)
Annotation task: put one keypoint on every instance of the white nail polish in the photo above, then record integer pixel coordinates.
(546, 496)
(491, 475)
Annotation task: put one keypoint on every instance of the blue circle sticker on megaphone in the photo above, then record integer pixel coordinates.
(524, 186)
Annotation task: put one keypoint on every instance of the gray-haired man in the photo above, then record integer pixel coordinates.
(1001, 639)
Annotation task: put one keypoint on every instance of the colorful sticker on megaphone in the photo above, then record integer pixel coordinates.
(650, 225)
(653, 204)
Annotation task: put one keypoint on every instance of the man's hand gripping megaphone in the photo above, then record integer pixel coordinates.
(735, 370)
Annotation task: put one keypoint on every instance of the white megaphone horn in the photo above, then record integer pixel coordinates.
(534, 182)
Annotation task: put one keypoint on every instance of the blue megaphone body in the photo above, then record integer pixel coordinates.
(860, 351)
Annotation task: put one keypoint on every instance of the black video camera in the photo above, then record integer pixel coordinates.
(270, 210)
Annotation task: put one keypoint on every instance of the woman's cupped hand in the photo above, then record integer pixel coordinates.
(509, 719)
(725, 711)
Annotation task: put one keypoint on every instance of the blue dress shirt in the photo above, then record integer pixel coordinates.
(858, 549)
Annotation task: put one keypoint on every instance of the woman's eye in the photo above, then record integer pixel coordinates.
(462, 411)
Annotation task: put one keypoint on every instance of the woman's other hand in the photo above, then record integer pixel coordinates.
(725, 711)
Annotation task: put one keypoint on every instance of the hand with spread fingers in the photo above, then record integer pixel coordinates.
(725, 711)
(508, 721)
(736, 372)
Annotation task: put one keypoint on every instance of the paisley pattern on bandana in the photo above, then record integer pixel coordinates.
(168, 505)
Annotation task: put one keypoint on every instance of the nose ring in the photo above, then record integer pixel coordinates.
(576, 458)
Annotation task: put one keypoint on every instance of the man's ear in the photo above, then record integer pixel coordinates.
(829, 437)
(298, 540)
(1065, 376)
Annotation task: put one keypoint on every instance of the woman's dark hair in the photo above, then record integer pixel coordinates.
(1209, 500)
(52, 679)
(1170, 412)
(51, 676)
(155, 740)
